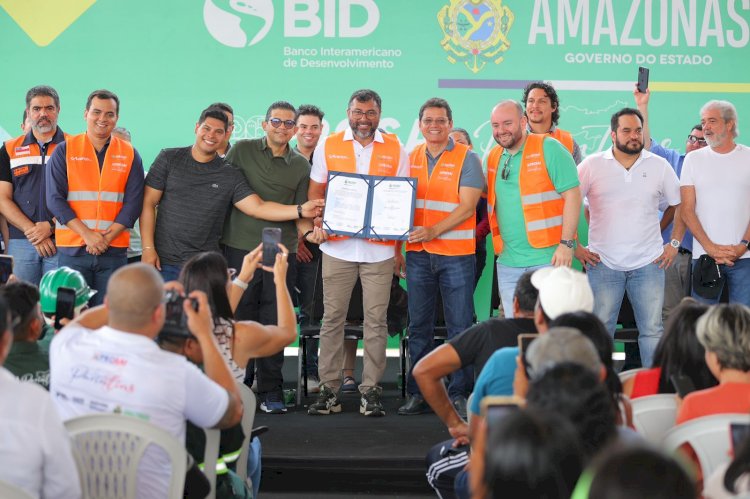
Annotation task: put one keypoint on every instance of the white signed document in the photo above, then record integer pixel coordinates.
(346, 204)
(392, 208)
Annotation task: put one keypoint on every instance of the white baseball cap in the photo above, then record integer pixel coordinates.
(563, 290)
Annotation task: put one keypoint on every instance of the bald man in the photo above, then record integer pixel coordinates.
(106, 361)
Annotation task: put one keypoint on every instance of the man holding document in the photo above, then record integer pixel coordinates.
(360, 149)
(440, 253)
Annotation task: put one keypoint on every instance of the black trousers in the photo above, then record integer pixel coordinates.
(258, 303)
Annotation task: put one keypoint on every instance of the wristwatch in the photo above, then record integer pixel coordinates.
(746, 243)
(299, 211)
(674, 243)
(570, 243)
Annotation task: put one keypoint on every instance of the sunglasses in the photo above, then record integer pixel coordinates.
(506, 168)
(693, 139)
(276, 123)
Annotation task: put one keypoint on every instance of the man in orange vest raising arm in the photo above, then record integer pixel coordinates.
(364, 149)
(533, 199)
(441, 247)
(543, 112)
(95, 191)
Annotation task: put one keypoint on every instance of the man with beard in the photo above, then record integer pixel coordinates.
(22, 164)
(625, 186)
(715, 183)
(364, 149)
(543, 112)
(533, 200)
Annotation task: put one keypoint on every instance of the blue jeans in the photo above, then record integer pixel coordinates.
(507, 278)
(96, 270)
(738, 280)
(27, 264)
(170, 272)
(453, 276)
(645, 288)
(254, 467)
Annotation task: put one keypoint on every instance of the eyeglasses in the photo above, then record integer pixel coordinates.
(276, 123)
(436, 121)
(506, 168)
(358, 113)
(693, 139)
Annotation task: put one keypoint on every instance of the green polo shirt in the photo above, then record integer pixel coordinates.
(281, 179)
(517, 252)
(29, 361)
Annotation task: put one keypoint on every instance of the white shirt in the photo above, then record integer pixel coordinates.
(107, 370)
(722, 194)
(35, 450)
(624, 207)
(354, 249)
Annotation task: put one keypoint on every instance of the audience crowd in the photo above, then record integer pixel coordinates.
(172, 291)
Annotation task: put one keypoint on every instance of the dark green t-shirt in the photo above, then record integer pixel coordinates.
(29, 362)
(280, 179)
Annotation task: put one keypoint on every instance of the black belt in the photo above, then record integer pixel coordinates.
(684, 251)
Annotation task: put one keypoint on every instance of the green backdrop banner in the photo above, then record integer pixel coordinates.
(168, 59)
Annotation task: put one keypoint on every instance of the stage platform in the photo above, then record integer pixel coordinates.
(347, 454)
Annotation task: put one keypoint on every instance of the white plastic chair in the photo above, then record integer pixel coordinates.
(626, 375)
(709, 437)
(10, 491)
(654, 415)
(108, 449)
(210, 457)
(248, 416)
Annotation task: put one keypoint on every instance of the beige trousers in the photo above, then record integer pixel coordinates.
(339, 278)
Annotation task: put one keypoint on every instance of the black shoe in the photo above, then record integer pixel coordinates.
(415, 405)
(327, 403)
(370, 405)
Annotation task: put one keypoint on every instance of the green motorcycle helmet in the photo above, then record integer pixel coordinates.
(67, 278)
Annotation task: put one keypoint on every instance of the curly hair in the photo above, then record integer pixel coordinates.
(551, 93)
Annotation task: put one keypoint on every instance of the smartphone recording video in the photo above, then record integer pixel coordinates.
(271, 237)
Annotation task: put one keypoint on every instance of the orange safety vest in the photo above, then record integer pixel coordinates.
(386, 155)
(23, 156)
(437, 197)
(542, 204)
(565, 138)
(96, 197)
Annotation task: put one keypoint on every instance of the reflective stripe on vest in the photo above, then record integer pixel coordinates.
(114, 197)
(340, 157)
(25, 160)
(96, 196)
(542, 205)
(221, 467)
(91, 224)
(437, 197)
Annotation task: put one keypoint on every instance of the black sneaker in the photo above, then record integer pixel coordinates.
(327, 403)
(370, 405)
(273, 403)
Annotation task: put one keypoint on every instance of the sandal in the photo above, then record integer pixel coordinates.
(350, 385)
